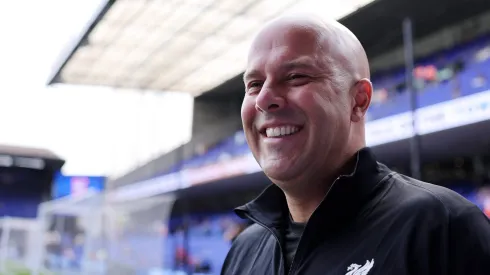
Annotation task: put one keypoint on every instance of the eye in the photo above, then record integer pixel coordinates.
(254, 86)
(296, 76)
(298, 79)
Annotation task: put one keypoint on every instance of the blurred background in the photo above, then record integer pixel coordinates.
(121, 148)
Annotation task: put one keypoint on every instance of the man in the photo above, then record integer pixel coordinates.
(332, 208)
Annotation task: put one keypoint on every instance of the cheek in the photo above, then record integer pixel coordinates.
(324, 113)
(317, 107)
(248, 113)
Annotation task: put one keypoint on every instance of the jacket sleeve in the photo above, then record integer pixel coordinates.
(469, 243)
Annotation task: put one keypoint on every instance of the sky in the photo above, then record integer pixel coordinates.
(97, 130)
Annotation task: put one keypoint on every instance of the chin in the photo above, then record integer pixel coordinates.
(280, 174)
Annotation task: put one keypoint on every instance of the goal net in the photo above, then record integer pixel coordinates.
(102, 234)
(17, 238)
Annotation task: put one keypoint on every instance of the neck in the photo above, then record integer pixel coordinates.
(302, 207)
(302, 203)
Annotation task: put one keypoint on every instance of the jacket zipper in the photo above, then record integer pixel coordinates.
(324, 198)
(301, 238)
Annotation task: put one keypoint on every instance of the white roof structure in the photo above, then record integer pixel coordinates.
(189, 46)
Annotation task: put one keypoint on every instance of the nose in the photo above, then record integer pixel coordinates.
(269, 100)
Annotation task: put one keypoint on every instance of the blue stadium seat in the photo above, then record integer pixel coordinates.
(18, 206)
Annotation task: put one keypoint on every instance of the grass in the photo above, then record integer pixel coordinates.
(17, 269)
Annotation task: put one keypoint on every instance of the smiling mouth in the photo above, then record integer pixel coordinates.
(282, 131)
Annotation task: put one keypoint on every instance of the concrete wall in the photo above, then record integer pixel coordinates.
(215, 117)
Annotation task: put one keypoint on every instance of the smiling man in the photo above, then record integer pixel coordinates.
(332, 208)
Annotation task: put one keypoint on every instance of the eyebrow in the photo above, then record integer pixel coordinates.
(304, 62)
(250, 74)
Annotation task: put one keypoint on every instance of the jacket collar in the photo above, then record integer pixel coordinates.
(345, 199)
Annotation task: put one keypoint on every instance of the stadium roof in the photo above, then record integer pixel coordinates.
(28, 157)
(27, 152)
(189, 46)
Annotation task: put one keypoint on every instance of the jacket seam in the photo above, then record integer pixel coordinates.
(414, 183)
(384, 193)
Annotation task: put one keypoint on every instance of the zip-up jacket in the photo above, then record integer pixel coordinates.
(371, 222)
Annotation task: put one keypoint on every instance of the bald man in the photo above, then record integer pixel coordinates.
(332, 208)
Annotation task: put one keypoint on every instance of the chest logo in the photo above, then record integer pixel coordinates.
(357, 269)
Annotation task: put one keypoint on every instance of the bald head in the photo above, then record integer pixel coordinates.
(336, 46)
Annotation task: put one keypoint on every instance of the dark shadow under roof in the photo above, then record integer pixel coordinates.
(379, 25)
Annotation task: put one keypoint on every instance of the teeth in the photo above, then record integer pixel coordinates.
(281, 131)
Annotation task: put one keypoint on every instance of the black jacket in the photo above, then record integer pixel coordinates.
(374, 221)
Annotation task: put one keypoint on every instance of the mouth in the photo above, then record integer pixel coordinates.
(280, 131)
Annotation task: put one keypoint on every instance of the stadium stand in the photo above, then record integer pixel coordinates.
(461, 71)
(216, 171)
(26, 175)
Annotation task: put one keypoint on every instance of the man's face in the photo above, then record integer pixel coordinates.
(296, 119)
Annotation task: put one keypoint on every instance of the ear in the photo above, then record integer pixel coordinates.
(362, 93)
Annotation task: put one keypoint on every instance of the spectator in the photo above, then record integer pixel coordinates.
(479, 81)
(456, 87)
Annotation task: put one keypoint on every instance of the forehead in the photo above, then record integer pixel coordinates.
(282, 43)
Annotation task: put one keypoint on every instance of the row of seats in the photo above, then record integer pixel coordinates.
(229, 148)
(471, 81)
(19, 206)
(208, 245)
(458, 72)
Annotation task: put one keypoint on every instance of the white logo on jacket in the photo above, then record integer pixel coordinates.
(356, 269)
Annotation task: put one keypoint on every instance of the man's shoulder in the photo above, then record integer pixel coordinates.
(415, 194)
(442, 226)
(250, 234)
(244, 248)
(253, 237)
